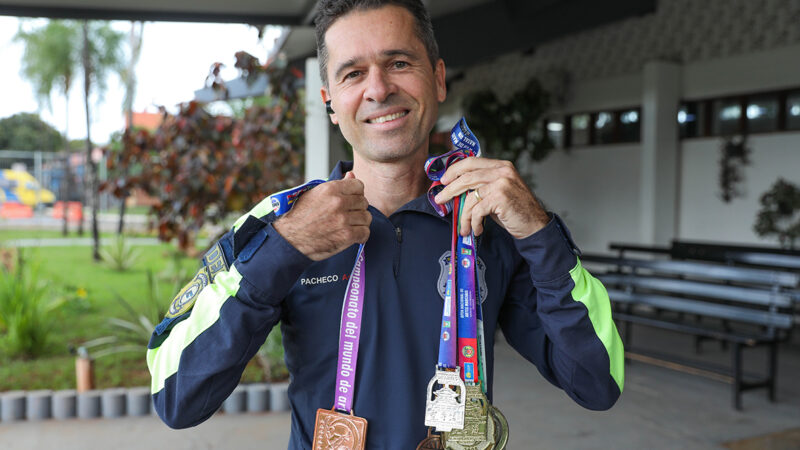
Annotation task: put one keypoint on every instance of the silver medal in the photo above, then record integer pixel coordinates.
(444, 407)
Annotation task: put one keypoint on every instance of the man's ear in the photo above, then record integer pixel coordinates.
(439, 76)
(327, 98)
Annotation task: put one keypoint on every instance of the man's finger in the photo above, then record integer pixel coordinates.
(465, 220)
(467, 181)
(467, 165)
(350, 185)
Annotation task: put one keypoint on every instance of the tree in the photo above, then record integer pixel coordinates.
(27, 131)
(201, 167)
(100, 54)
(50, 61)
(511, 129)
(128, 76)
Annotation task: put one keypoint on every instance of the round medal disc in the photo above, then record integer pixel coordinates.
(500, 428)
(432, 442)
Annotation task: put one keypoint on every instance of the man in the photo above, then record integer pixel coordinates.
(384, 81)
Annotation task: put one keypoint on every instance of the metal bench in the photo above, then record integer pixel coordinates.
(741, 306)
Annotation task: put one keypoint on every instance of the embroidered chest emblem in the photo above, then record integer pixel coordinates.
(441, 283)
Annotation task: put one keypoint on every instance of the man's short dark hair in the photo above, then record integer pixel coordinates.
(328, 11)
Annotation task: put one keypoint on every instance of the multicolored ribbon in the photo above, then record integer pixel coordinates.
(468, 327)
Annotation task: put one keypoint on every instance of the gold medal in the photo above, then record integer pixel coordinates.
(500, 428)
(479, 426)
(432, 442)
(336, 431)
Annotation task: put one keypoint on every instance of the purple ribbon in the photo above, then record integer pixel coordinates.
(349, 335)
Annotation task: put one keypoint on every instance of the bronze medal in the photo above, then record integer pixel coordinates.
(479, 426)
(432, 442)
(336, 431)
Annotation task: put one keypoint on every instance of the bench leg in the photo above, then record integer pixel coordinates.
(773, 369)
(737, 375)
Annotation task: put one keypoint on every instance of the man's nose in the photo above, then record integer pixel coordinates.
(379, 86)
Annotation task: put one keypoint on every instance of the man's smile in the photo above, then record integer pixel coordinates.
(387, 117)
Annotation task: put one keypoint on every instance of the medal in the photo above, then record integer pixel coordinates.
(336, 431)
(432, 442)
(483, 427)
(500, 428)
(444, 407)
(478, 432)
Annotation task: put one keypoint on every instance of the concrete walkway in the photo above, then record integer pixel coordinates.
(660, 409)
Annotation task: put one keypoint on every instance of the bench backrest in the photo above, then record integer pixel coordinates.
(741, 294)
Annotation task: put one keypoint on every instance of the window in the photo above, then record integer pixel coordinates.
(555, 132)
(727, 117)
(580, 130)
(690, 119)
(604, 128)
(629, 128)
(762, 113)
(793, 111)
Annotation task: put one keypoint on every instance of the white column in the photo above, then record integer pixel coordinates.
(317, 130)
(660, 174)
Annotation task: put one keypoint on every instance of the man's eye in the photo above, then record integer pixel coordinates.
(352, 74)
(400, 64)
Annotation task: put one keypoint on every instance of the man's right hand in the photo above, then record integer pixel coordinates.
(327, 219)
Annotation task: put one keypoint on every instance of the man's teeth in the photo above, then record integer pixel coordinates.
(389, 117)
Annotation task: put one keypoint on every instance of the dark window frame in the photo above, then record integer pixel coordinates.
(616, 126)
(706, 128)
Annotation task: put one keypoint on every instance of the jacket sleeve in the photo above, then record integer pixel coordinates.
(216, 324)
(558, 316)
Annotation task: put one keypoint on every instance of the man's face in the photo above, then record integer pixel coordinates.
(382, 87)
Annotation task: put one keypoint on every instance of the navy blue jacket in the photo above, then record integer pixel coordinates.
(550, 309)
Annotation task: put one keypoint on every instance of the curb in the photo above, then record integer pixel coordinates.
(114, 403)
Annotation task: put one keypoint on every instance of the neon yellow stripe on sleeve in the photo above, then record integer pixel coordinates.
(591, 292)
(163, 360)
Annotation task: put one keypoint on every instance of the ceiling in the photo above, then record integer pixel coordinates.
(468, 31)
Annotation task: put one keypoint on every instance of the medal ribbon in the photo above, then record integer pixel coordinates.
(461, 270)
(350, 322)
(349, 335)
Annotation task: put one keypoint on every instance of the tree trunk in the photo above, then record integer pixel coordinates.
(90, 175)
(135, 40)
(65, 184)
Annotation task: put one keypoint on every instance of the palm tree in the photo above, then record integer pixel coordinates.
(101, 54)
(53, 54)
(128, 76)
(50, 61)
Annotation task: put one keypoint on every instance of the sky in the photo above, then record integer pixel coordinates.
(174, 62)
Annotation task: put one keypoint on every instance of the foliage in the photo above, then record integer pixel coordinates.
(27, 309)
(202, 167)
(270, 356)
(734, 156)
(51, 57)
(780, 213)
(119, 255)
(511, 129)
(27, 131)
(131, 333)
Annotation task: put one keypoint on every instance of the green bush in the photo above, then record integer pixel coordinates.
(120, 255)
(27, 310)
(132, 332)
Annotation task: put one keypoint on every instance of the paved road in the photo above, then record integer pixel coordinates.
(660, 409)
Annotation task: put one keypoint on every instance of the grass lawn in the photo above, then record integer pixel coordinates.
(91, 289)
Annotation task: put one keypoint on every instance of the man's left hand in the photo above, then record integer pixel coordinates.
(502, 195)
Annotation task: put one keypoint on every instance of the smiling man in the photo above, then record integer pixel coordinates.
(383, 81)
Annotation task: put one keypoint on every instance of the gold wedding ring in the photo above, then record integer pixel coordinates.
(477, 194)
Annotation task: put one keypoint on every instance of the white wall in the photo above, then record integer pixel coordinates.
(703, 216)
(721, 48)
(595, 190)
